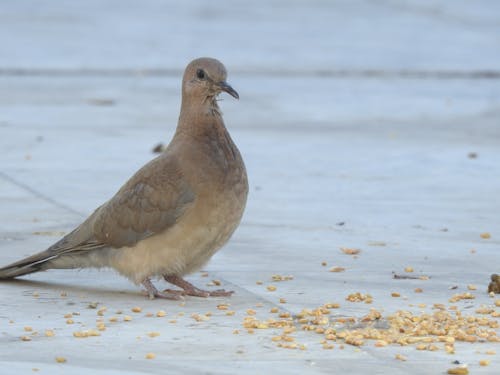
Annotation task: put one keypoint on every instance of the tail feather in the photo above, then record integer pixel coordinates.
(34, 263)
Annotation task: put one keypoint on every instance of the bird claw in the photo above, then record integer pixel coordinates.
(155, 293)
(189, 289)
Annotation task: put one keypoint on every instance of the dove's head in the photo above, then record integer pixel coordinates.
(204, 79)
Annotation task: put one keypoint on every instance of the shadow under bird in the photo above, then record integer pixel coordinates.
(174, 213)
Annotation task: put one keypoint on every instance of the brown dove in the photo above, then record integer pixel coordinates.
(174, 213)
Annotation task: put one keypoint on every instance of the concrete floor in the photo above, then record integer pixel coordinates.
(357, 121)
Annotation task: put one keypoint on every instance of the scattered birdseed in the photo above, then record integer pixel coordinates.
(136, 309)
(485, 235)
(150, 356)
(400, 357)
(69, 321)
(258, 282)
(484, 362)
(28, 329)
(25, 338)
(60, 360)
(161, 313)
(471, 287)
(381, 343)
(282, 300)
(324, 264)
(271, 288)
(350, 251)
(418, 290)
(458, 297)
(359, 297)
(200, 318)
(463, 370)
(127, 318)
(395, 294)
(409, 269)
(49, 333)
(86, 333)
(101, 311)
(230, 313)
(154, 334)
(223, 306)
(281, 277)
(337, 269)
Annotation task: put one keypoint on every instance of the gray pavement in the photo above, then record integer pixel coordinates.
(356, 121)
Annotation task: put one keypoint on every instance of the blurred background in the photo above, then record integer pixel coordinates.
(350, 102)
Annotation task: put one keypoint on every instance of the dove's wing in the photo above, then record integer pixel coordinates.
(150, 202)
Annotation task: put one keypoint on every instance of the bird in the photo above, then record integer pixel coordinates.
(175, 212)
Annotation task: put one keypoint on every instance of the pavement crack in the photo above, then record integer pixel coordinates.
(39, 194)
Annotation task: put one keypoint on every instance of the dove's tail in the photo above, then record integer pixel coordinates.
(34, 263)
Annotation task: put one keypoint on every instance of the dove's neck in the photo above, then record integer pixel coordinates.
(200, 118)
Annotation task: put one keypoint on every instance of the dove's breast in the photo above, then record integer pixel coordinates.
(220, 197)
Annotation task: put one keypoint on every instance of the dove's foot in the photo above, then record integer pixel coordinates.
(189, 289)
(155, 293)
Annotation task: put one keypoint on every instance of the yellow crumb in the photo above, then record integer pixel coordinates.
(350, 251)
(60, 360)
(161, 313)
(485, 235)
(337, 269)
(408, 269)
(150, 356)
(49, 333)
(458, 371)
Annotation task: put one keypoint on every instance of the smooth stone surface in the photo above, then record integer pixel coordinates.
(380, 162)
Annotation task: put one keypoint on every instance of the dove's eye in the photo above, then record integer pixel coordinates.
(200, 73)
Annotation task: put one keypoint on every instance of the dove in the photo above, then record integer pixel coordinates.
(174, 213)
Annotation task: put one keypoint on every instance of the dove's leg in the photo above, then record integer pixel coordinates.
(190, 290)
(155, 293)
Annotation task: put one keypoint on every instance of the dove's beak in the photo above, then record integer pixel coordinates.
(224, 86)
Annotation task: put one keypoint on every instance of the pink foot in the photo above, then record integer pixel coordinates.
(155, 293)
(189, 289)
